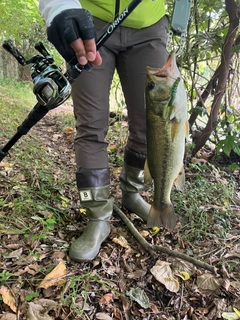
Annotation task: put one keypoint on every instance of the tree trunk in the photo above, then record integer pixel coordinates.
(222, 73)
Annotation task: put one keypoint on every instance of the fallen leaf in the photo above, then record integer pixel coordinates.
(15, 254)
(117, 314)
(39, 309)
(230, 316)
(8, 298)
(208, 281)
(68, 130)
(54, 278)
(144, 233)
(235, 284)
(64, 199)
(139, 295)
(111, 148)
(136, 274)
(163, 273)
(121, 241)
(183, 266)
(37, 312)
(31, 269)
(106, 298)
(103, 316)
(183, 275)
(8, 316)
(154, 230)
(154, 309)
(237, 312)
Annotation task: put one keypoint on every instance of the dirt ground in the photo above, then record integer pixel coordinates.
(125, 281)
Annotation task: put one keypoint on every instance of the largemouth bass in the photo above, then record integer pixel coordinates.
(167, 129)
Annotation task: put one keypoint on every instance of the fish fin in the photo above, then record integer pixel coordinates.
(147, 174)
(168, 113)
(180, 180)
(162, 217)
(174, 130)
(154, 219)
(172, 115)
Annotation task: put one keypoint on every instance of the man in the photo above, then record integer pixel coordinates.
(139, 42)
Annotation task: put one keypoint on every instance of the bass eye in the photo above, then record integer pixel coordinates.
(150, 85)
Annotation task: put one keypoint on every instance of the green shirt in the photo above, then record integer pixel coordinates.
(145, 14)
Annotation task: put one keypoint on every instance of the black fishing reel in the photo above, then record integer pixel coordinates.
(51, 86)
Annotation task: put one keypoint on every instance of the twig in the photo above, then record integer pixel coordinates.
(153, 249)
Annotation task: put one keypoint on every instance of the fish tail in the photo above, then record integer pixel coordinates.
(162, 217)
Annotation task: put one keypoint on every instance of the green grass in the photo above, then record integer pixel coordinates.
(38, 195)
(205, 204)
(32, 187)
(17, 99)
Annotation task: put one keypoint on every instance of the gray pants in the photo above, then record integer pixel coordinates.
(129, 51)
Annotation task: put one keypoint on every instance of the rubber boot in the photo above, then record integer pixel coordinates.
(93, 186)
(132, 182)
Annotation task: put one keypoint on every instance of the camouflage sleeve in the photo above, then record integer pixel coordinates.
(50, 8)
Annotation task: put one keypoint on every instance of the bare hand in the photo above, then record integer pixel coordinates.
(86, 51)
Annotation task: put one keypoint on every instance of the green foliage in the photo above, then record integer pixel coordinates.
(33, 192)
(228, 135)
(31, 296)
(77, 294)
(4, 277)
(209, 216)
(18, 17)
(22, 23)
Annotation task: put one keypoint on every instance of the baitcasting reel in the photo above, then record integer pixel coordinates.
(51, 86)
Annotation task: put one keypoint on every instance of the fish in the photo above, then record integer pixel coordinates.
(167, 131)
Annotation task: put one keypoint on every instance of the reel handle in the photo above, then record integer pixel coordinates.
(40, 48)
(9, 46)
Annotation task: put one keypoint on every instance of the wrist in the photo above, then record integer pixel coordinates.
(51, 8)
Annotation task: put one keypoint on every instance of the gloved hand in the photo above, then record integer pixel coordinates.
(73, 35)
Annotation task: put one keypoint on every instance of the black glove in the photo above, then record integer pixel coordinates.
(68, 26)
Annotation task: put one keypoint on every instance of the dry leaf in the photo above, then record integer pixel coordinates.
(121, 241)
(235, 284)
(15, 254)
(144, 233)
(54, 278)
(163, 273)
(8, 298)
(39, 309)
(111, 148)
(154, 308)
(208, 281)
(103, 316)
(139, 295)
(68, 130)
(36, 312)
(117, 314)
(183, 266)
(8, 316)
(106, 298)
(136, 274)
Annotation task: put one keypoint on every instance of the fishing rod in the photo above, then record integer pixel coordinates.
(51, 86)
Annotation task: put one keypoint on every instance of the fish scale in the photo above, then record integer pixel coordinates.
(167, 128)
